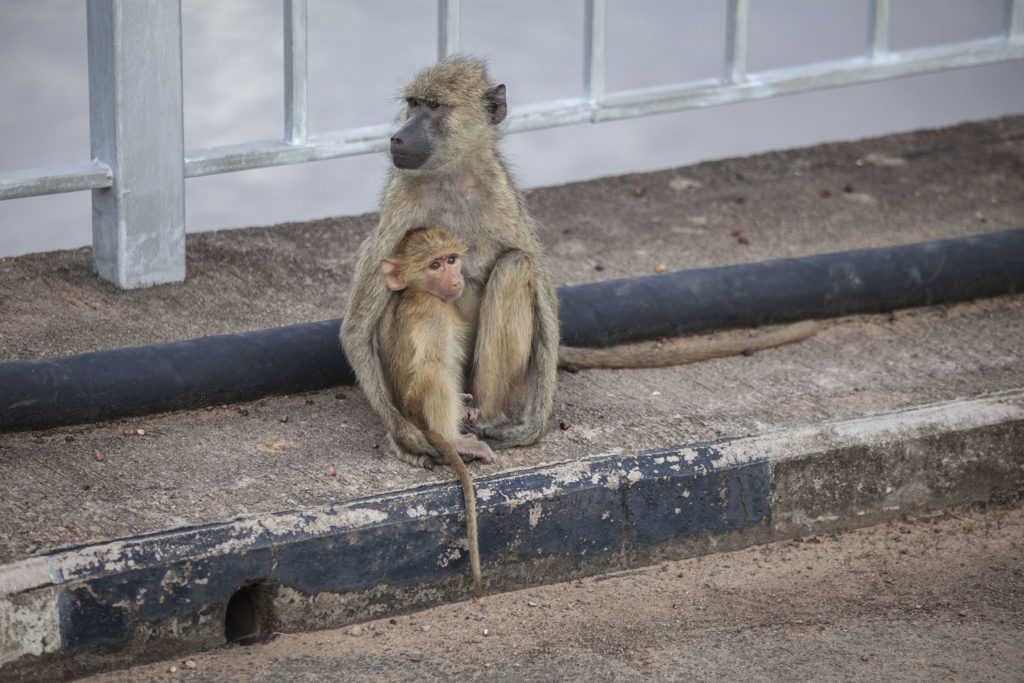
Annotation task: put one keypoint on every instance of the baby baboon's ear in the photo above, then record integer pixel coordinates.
(392, 274)
(494, 99)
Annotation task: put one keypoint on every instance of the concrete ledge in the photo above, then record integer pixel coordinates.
(143, 598)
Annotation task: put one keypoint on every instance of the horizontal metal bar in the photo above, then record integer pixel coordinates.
(626, 104)
(32, 182)
(249, 155)
(765, 84)
(570, 111)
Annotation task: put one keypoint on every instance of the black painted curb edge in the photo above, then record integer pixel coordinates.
(142, 598)
(103, 385)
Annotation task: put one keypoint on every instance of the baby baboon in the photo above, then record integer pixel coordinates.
(422, 347)
(449, 172)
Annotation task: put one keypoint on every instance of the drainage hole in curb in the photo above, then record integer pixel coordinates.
(249, 614)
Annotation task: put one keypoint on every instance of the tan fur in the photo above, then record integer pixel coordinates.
(466, 188)
(422, 343)
(683, 350)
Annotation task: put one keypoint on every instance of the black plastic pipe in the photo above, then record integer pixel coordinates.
(235, 367)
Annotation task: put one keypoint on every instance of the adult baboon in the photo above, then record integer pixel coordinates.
(449, 173)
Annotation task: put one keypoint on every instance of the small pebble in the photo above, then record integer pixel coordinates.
(528, 193)
(416, 656)
(660, 268)
(571, 369)
(640, 191)
(531, 603)
(425, 628)
(98, 456)
(331, 472)
(736, 233)
(173, 670)
(209, 409)
(140, 432)
(599, 267)
(487, 632)
(563, 425)
(743, 240)
(356, 631)
(848, 188)
(189, 664)
(340, 396)
(284, 418)
(566, 231)
(126, 432)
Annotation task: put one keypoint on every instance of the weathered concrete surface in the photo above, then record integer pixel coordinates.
(842, 418)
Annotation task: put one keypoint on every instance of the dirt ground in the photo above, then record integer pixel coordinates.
(926, 599)
(200, 466)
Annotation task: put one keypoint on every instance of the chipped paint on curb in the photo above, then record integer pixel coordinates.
(155, 595)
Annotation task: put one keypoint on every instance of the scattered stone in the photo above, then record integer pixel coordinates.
(681, 183)
(276, 446)
(284, 418)
(189, 664)
(879, 159)
(640, 191)
(425, 628)
(98, 456)
(356, 631)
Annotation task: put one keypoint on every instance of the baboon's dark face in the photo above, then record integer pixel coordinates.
(413, 144)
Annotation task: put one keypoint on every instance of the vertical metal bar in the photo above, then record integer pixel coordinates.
(878, 30)
(1015, 20)
(449, 13)
(595, 21)
(135, 116)
(736, 40)
(295, 72)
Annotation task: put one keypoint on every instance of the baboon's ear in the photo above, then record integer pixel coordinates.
(392, 275)
(494, 100)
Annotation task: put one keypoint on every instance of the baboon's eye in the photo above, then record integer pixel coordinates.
(452, 258)
(434, 265)
(412, 102)
(433, 104)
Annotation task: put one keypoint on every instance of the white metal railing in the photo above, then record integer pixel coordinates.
(137, 172)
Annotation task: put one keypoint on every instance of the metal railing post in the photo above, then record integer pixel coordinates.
(135, 116)
(594, 44)
(449, 16)
(878, 30)
(737, 20)
(1014, 20)
(295, 72)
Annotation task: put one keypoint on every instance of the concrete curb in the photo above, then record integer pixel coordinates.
(148, 597)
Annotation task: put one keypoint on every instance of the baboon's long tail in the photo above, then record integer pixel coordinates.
(683, 350)
(455, 460)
